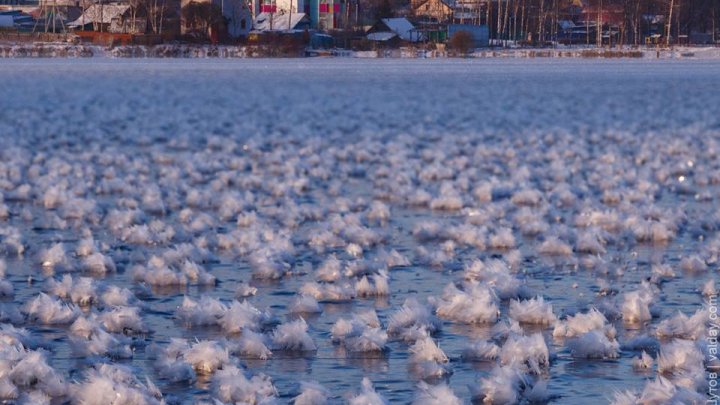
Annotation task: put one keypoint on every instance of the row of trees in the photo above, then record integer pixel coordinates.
(622, 21)
(158, 12)
(626, 21)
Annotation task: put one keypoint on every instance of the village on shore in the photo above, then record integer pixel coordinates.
(360, 28)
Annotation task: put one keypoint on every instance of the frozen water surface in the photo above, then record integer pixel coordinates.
(522, 230)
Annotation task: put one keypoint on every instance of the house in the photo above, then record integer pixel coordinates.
(282, 21)
(321, 41)
(431, 18)
(653, 27)
(323, 14)
(330, 14)
(468, 11)
(279, 6)
(387, 39)
(608, 14)
(431, 10)
(117, 18)
(238, 15)
(570, 32)
(388, 28)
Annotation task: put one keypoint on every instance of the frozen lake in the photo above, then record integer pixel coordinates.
(572, 204)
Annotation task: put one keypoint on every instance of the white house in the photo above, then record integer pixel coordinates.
(239, 16)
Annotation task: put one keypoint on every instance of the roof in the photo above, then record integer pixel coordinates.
(279, 21)
(381, 36)
(446, 3)
(402, 27)
(7, 21)
(566, 24)
(100, 14)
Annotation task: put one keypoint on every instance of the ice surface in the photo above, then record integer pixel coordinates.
(508, 231)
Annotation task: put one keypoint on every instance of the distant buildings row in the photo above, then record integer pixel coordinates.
(572, 21)
(243, 16)
(237, 18)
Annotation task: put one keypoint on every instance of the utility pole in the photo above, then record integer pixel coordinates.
(347, 15)
(669, 24)
(587, 30)
(48, 10)
(598, 36)
(714, 21)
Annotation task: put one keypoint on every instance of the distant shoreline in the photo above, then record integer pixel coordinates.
(188, 51)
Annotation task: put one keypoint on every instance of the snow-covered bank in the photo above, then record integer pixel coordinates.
(66, 50)
(646, 53)
(47, 50)
(561, 52)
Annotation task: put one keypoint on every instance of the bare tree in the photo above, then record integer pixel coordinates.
(599, 25)
(541, 21)
(156, 11)
(135, 6)
(714, 22)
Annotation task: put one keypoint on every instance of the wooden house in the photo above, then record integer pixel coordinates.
(431, 10)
